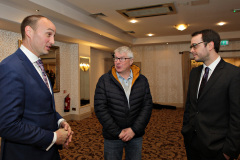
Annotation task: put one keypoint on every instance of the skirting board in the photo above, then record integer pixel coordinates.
(77, 117)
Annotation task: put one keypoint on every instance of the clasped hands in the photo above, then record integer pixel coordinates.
(126, 134)
(64, 134)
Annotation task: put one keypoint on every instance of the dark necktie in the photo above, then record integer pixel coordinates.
(40, 64)
(204, 81)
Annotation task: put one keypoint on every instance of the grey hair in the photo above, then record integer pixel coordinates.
(124, 49)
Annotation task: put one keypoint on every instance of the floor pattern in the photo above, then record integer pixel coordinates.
(162, 141)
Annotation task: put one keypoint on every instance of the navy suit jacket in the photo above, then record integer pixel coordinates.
(27, 111)
(215, 115)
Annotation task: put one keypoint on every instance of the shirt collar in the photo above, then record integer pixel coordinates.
(32, 57)
(213, 65)
(130, 76)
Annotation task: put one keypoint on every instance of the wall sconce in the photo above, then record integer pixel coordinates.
(181, 27)
(84, 66)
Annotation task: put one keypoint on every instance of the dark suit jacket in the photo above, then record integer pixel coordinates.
(27, 111)
(215, 115)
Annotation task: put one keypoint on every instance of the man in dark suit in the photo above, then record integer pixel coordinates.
(31, 129)
(211, 122)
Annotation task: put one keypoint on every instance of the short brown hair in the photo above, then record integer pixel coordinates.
(30, 21)
(209, 35)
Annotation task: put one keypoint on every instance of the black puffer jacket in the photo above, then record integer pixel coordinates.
(111, 105)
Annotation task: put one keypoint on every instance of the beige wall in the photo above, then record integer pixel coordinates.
(8, 43)
(68, 77)
(162, 65)
(97, 70)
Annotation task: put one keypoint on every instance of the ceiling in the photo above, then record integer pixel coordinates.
(197, 16)
(114, 26)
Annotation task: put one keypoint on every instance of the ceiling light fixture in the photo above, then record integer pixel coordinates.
(133, 21)
(150, 34)
(181, 27)
(37, 10)
(221, 23)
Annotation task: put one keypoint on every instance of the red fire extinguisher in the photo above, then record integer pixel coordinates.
(67, 103)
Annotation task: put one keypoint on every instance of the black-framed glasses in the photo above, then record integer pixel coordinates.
(194, 45)
(122, 59)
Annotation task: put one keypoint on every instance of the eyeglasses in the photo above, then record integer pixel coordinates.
(194, 45)
(120, 59)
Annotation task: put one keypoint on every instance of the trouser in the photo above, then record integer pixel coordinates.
(113, 149)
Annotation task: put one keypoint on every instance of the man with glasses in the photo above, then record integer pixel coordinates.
(123, 105)
(211, 122)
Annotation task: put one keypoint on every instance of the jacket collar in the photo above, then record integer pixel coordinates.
(135, 70)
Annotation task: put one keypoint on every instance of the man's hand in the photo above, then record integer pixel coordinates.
(126, 134)
(62, 136)
(227, 157)
(67, 128)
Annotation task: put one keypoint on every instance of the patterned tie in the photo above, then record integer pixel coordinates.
(40, 64)
(204, 81)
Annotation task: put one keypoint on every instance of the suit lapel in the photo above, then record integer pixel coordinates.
(213, 79)
(32, 70)
(196, 80)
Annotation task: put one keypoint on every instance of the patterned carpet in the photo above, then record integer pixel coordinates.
(162, 141)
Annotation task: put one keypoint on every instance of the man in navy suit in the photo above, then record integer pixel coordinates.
(30, 127)
(211, 122)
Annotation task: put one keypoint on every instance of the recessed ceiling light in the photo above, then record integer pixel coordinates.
(37, 10)
(150, 34)
(221, 23)
(181, 27)
(133, 21)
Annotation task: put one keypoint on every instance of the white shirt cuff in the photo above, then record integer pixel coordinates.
(55, 134)
(54, 140)
(60, 121)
